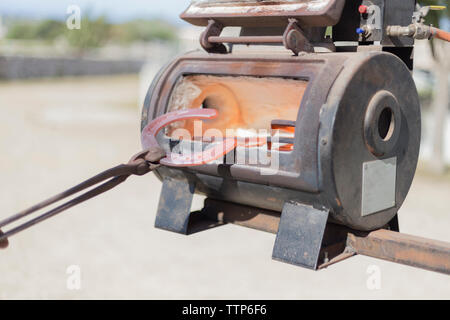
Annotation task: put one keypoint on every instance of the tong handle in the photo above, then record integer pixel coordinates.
(139, 164)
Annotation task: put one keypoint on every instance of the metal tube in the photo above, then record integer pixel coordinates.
(403, 248)
(246, 39)
(255, 218)
(382, 244)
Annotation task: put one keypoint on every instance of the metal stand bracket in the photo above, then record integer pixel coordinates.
(300, 234)
(293, 38)
(174, 206)
(393, 224)
(301, 230)
(214, 29)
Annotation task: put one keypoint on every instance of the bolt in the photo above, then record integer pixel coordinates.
(362, 9)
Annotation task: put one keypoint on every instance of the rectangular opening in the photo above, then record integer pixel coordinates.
(246, 105)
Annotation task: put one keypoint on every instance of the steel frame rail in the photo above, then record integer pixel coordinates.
(340, 242)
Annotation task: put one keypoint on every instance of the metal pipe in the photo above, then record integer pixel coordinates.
(418, 31)
(403, 248)
(440, 34)
(383, 244)
(251, 217)
(246, 39)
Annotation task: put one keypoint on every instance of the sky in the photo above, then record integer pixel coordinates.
(115, 10)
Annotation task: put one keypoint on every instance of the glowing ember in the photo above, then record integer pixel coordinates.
(246, 105)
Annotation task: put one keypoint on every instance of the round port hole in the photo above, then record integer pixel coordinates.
(386, 124)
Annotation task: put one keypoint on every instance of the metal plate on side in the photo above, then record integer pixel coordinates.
(378, 185)
(300, 234)
(174, 206)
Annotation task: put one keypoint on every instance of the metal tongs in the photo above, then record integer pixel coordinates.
(142, 163)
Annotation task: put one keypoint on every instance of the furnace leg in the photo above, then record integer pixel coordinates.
(174, 206)
(393, 224)
(300, 234)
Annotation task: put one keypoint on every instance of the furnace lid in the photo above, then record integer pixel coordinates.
(264, 12)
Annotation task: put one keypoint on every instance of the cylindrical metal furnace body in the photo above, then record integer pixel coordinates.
(355, 146)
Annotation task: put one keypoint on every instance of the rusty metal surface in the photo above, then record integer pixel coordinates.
(246, 39)
(333, 243)
(251, 217)
(320, 71)
(300, 235)
(140, 164)
(174, 207)
(403, 248)
(328, 148)
(372, 75)
(293, 38)
(267, 13)
(340, 242)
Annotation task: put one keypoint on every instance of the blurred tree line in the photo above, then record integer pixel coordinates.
(94, 32)
(435, 17)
